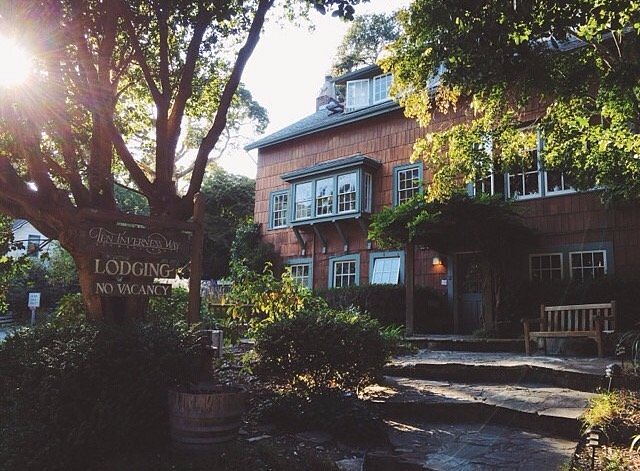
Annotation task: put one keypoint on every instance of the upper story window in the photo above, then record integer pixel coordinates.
(278, 209)
(334, 189)
(529, 181)
(526, 181)
(381, 86)
(347, 192)
(407, 182)
(365, 92)
(324, 196)
(303, 200)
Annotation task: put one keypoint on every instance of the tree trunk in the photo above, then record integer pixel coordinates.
(111, 309)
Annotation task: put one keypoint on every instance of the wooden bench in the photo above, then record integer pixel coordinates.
(578, 320)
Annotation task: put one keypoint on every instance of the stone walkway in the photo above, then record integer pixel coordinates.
(482, 411)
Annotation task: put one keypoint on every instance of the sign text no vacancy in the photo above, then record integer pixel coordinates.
(127, 260)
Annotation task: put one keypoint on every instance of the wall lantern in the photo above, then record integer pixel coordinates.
(437, 261)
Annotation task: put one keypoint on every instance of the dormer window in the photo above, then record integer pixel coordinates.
(381, 86)
(357, 94)
(366, 92)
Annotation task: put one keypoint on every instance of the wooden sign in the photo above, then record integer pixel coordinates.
(111, 239)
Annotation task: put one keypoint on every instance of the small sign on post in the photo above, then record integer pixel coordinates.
(33, 302)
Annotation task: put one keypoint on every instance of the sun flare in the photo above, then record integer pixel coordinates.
(14, 63)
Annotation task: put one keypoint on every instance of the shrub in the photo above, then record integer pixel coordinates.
(70, 310)
(74, 394)
(386, 303)
(617, 413)
(269, 297)
(316, 350)
(172, 309)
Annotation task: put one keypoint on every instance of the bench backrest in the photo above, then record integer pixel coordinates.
(577, 317)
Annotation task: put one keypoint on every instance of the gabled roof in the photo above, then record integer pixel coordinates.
(321, 120)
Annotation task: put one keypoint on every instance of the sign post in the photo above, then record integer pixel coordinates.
(33, 302)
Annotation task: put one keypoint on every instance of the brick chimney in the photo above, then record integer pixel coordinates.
(327, 94)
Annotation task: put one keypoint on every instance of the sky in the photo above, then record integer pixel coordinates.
(287, 70)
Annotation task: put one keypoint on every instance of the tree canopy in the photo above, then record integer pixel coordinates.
(579, 59)
(364, 41)
(105, 72)
(229, 201)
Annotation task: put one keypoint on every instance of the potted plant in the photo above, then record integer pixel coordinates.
(206, 412)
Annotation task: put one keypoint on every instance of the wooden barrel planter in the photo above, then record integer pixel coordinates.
(202, 418)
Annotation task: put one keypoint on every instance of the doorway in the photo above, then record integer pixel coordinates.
(469, 293)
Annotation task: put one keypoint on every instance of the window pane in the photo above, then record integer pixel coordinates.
(408, 184)
(300, 274)
(279, 205)
(324, 196)
(344, 273)
(357, 94)
(546, 267)
(386, 270)
(381, 85)
(588, 264)
(303, 200)
(366, 193)
(347, 192)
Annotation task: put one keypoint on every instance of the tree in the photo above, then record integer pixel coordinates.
(364, 41)
(106, 70)
(229, 200)
(580, 59)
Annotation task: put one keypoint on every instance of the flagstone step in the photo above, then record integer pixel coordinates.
(536, 407)
(583, 374)
(419, 445)
(466, 343)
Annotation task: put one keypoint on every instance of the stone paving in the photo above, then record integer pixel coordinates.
(522, 425)
(469, 447)
(586, 365)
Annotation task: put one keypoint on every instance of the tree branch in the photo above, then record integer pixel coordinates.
(129, 162)
(138, 54)
(185, 88)
(220, 121)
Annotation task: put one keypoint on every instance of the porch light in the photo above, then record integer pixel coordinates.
(437, 260)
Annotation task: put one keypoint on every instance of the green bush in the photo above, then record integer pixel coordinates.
(70, 310)
(172, 309)
(386, 303)
(71, 395)
(319, 350)
(268, 297)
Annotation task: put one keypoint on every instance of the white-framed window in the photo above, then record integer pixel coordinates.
(586, 265)
(344, 271)
(301, 270)
(407, 183)
(381, 86)
(347, 192)
(324, 196)
(367, 194)
(303, 200)
(357, 94)
(545, 266)
(526, 182)
(279, 207)
(491, 184)
(385, 269)
(557, 182)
